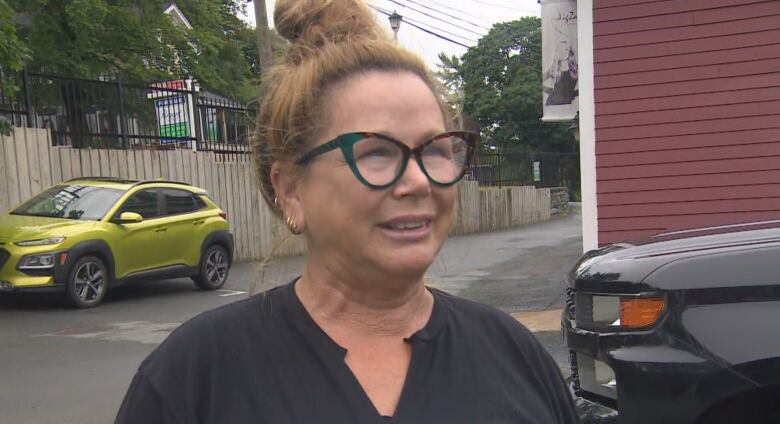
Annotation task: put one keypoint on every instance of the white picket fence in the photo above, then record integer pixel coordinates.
(30, 164)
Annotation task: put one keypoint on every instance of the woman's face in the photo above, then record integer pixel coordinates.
(397, 230)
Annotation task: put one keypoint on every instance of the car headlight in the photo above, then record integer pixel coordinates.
(41, 261)
(619, 312)
(41, 242)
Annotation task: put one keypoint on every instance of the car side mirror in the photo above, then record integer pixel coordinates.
(129, 218)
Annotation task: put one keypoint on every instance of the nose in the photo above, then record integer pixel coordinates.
(413, 182)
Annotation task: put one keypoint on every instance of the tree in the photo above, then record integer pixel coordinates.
(134, 38)
(449, 76)
(13, 53)
(225, 61)
(502, 84)
(97, 38)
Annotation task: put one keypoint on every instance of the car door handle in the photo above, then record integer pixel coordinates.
(160, 229)
(198, 222)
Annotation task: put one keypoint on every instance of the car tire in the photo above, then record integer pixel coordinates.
(213, 268)
(87, 282)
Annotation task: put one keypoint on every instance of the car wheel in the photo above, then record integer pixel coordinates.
(213, 268)
(87, 282)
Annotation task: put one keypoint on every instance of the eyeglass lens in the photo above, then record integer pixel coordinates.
(380, 161)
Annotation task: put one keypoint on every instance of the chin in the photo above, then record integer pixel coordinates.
(409, 260)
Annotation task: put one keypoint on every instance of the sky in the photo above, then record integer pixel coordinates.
(466, 21)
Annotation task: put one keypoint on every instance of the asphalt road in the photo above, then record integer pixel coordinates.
(59, 365)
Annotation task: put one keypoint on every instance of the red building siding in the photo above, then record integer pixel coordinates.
(687, 98)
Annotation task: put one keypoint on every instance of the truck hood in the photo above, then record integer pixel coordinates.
(15, 228)
(661, 261)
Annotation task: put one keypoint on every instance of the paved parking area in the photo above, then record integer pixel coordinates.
(59, 365)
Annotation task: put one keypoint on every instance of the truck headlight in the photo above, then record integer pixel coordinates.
(616, 311)
(41, 242)
(41, 261)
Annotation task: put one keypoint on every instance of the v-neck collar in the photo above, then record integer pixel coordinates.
(301, 319)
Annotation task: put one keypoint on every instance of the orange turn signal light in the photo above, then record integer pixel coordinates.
(636, 312)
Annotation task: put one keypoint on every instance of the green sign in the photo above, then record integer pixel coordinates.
(178, 129)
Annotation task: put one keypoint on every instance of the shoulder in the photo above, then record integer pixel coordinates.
(491, 328)
(476, 316)
(207, 351)
(213, 333)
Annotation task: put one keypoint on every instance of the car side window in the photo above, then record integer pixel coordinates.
(179, 201)
(199, 203)
(144, 203)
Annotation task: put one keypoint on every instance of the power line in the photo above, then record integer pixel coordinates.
(422, 29)
(470, 14)
(434, 17)
(407, 19)
(417, 24)
(431, 8)
(530, 60)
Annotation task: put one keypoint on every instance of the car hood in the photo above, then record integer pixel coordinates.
(23, 227)
(649, 262)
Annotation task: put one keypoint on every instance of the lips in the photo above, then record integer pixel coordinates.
(412, 225)
(408, 228)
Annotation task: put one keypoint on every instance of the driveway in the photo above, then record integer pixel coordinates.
(63, 366)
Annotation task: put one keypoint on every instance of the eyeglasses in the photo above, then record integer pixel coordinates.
(378, 161)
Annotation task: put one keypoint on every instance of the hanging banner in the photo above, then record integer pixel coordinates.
(560, 89)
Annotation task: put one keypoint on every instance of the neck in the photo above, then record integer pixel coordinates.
(369, 306)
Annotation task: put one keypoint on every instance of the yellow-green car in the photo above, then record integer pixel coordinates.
(87, 235)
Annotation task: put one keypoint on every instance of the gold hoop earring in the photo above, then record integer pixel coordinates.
(292, 225)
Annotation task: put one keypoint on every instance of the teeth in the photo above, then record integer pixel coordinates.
(407, 225)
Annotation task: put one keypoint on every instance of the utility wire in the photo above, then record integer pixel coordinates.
(384, 12)
(417, 24)
(470, 14)
(431, 8)
(434, 17)
(407, 19)
(413, 23)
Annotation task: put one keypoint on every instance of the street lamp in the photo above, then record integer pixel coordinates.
(395, 23)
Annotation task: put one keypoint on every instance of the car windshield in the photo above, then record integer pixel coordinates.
(87, 203)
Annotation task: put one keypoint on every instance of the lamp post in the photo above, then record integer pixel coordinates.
(395, 23)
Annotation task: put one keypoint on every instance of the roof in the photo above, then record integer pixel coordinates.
(127, 184)
(170, 8)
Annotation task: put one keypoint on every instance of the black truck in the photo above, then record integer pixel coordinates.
(681, 327)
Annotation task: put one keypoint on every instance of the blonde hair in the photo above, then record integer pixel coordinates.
(331, 41)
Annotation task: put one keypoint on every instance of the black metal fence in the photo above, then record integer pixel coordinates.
(113, 114)
(512, 167)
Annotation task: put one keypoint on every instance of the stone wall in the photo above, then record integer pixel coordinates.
(559, 201)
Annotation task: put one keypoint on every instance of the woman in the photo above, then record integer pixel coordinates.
(356, 157)
(564, 75)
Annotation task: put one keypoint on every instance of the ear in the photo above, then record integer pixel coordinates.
(286, 182)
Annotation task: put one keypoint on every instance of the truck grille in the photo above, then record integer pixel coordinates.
(4, 255)
(570, 301)
(570, 314)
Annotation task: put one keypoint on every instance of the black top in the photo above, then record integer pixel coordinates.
(264, 360)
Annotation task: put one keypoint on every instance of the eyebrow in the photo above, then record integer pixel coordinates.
(427, 136)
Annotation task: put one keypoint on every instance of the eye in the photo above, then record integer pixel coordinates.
(441, 148)
(377, 152)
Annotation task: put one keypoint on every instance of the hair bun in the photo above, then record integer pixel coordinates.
(314, 22)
